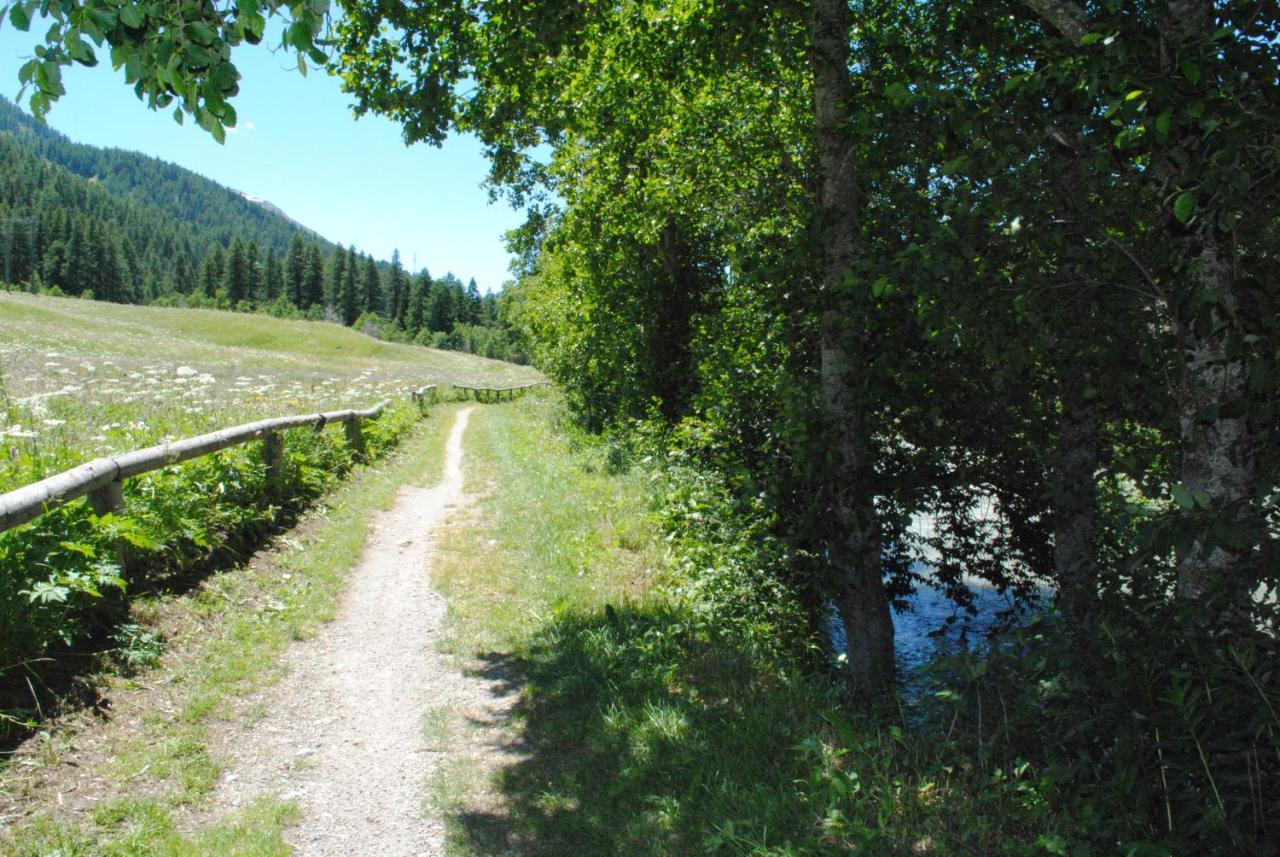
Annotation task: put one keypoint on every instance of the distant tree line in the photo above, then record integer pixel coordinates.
(122, 227)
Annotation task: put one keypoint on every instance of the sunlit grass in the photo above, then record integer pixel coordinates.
(226, 640)
(79, 379)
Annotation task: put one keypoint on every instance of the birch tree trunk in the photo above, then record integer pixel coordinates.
(1218, 444)
(854, 544)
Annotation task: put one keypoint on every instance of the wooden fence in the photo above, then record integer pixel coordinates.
(495, 393)
(102, 479)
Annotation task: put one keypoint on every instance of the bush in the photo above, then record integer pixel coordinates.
(66, 576)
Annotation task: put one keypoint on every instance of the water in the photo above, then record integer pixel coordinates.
(933, 624)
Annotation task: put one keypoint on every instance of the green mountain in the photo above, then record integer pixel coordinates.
(128, 226)
(125, 227)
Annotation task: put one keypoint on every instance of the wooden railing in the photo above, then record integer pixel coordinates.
(495, 393)
(102, 479)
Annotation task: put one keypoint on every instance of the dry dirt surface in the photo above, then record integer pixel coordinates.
(343, 733)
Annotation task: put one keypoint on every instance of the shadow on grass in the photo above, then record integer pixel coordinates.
(639, 735)
(63, 681)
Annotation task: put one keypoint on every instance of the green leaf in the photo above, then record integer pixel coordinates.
(200, 33)
(1162, 122)
(897, 93)
(879, 286)
(19, 17)
(133, 16)
(254, 26)
(1134, 94)
(80, 50)
(1052, 843)
(1090, 38)
(1182, 496)
(1191, 72)
(1184, 206)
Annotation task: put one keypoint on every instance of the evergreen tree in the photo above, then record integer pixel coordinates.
(334, 275)
(295, 270)
(235, 279)
(473, 302)
(419, 297)
(396, 289)
(312, 278)
(253, 272)
(370, 286)
(441, 316)
(348, 302)
(211, 273)
(272, 278)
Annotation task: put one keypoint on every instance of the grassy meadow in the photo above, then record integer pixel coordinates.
(79, 379)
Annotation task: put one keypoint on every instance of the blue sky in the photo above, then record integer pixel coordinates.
(299, 146)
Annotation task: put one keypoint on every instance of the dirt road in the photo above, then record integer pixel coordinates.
(343, 730)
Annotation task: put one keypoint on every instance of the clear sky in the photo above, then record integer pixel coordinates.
(299, 146)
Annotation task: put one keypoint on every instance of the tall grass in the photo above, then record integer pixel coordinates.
(80, 379)
(671, 702)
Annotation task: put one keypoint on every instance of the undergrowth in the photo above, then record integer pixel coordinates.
(226, 637)
(687, 708)
(67, 578)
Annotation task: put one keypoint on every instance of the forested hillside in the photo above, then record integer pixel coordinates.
(124, 227)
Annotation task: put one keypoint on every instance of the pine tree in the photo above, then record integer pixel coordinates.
(334, 275)
(419, 294)
(473, 302)
(348, 304)
(211, 273)
(441, 311)
(272, 278)
(235, 279)
(313, 278)
(295, 270)
(370, 286)
(397, 286)
(253, 272)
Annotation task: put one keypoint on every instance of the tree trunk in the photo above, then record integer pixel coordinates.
(1218, 461)
(854, 543)
(1075, 464)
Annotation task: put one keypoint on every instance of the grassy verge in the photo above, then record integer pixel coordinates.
(658, 714)
(226, 637)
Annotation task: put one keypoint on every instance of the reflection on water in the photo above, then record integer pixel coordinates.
(934, 625)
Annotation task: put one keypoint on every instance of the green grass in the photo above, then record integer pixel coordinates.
(80, 379)
(227, 637)
(84, 378)
(644, 725)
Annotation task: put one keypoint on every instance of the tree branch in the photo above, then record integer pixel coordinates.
(1065, 16)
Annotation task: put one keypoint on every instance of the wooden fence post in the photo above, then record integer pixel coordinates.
(273, 455)
(109, 499)
(355, 437)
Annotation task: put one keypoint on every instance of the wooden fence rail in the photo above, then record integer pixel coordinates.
(492, 393)
(101, 478)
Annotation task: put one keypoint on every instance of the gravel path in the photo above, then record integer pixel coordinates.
(343, 736)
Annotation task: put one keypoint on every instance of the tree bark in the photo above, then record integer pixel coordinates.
(1075, 464)
(854, 549)
(1219, 462)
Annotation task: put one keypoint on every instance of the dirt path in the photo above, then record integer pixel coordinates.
(343, 735)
